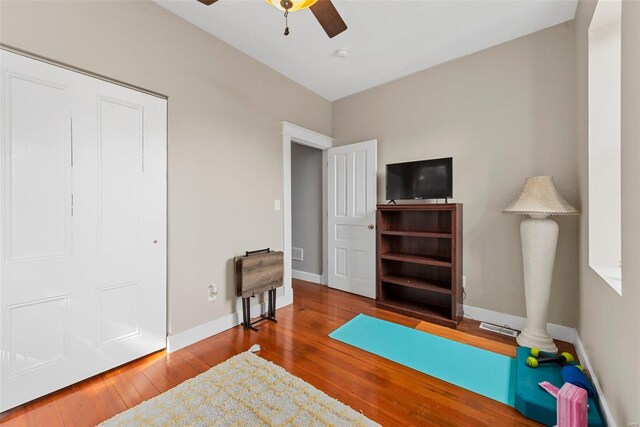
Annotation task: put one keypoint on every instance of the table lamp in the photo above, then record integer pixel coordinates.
(539, 235)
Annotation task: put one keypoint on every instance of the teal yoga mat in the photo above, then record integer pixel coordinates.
(481, 371)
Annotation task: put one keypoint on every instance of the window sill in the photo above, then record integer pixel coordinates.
(611, 275)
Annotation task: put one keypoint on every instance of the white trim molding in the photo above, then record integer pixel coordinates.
(586, 363)
(306, 136)
(563, 333)
(558, 332)
(307, 277)
(290, 134)
(206, 330)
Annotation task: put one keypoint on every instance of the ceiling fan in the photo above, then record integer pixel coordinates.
(324, 11)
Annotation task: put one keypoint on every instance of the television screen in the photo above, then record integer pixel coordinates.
(425, 179)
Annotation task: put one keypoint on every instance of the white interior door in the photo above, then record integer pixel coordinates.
(83, 227)
(351, 211)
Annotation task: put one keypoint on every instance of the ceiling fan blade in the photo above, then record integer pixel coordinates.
(328, 17)
(208, 2)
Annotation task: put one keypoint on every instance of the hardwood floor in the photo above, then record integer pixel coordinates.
(384, 391)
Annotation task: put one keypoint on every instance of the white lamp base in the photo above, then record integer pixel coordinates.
(544, 343)
(539, 239)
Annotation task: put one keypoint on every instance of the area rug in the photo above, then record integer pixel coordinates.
(484, 372)
(245, 390)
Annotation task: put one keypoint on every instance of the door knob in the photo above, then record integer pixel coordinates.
(370, 226)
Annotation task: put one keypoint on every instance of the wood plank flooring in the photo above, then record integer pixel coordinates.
(386, 392)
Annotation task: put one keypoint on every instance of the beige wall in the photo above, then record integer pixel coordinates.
(609, 324)
(225, 143)
(503, 114)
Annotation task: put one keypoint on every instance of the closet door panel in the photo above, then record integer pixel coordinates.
(128, 256)
(120, 138)
(36, 233)
(36, 174)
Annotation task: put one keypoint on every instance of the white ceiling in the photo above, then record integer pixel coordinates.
(385, 39)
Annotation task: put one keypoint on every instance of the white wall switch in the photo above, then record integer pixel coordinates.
(276, 204)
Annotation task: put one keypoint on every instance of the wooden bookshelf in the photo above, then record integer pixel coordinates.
(419, 265)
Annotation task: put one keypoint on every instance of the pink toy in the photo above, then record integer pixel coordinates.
(572, 406)
(549, 388)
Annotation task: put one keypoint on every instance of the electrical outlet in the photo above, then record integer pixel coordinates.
(464, 282)
(213, 292)
(276, 204)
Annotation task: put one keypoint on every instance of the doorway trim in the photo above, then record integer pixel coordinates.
(295, 134)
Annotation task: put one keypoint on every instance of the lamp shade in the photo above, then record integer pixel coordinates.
(540, 197)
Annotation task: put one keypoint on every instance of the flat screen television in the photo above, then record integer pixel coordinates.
(424, 179)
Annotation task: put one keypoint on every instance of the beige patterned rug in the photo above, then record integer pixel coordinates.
(245, 390)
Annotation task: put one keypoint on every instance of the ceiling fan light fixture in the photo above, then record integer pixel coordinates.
(295, 4)
(323, 10)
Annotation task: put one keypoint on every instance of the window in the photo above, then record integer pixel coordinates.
(605, 232)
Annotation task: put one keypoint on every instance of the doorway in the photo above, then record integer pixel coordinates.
(348, 206)
(307, 255)
(292, 134)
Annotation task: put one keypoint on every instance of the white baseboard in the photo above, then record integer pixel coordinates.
(193, 335)
(309, 277)
(563, 333)
(584, 360)
(558, 332)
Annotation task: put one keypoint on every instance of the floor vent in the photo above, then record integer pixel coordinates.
(297, 254)
(498, 329)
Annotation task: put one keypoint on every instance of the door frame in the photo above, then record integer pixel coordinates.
(295, 134)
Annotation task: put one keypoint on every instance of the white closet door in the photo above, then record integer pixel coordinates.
(83, 227)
